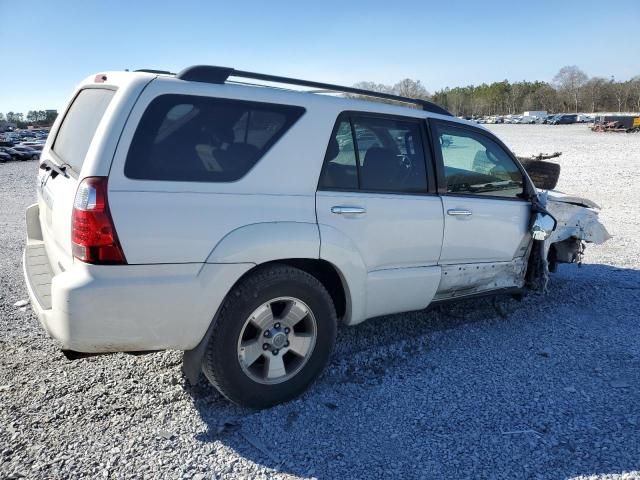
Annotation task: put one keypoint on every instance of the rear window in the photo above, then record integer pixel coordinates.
(201, 139)
(80, 124)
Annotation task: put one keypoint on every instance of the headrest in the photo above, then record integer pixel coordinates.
(225, 134)
(378, 156)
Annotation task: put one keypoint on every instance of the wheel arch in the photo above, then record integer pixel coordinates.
(262, 242)
(325, 272)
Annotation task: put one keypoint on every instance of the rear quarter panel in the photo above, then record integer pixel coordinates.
(182, 222)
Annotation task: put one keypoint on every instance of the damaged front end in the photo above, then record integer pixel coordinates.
(561, 227)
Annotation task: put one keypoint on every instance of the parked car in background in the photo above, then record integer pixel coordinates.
(525, 120)
(33, 154)
(4, 157)
(32, 145)
(496, 119)
(565, 119)
(16, 154)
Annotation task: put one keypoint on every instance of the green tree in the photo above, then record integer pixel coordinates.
(50, 116)
(546, 98)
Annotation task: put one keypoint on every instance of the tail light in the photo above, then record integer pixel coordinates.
(93, 234)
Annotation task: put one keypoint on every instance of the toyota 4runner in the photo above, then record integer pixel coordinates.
(239, 222)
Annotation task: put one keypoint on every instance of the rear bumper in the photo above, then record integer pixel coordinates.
(101, 308)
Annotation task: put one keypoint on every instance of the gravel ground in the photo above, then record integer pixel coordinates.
(547, 388)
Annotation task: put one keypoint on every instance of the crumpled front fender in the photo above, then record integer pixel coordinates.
(577, 218)
(577, 222)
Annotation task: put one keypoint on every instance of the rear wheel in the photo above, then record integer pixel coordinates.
(34, 157)
(274, 335)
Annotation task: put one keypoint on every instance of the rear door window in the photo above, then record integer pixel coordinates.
(80, 124)
(202, 139)
(375, 154)
(390, 154)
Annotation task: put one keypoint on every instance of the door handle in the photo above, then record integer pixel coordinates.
(348, 210)
(454, 212)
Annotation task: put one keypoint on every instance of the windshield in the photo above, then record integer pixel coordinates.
(80, 124)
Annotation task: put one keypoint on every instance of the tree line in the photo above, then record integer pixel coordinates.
(570, 91)
(33, 117)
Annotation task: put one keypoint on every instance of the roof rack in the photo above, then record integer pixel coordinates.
(150, 70)
(214, 74)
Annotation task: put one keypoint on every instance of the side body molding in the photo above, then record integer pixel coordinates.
(264, 242)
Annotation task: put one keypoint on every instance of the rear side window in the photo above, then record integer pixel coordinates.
(201, 139)
(79, 125)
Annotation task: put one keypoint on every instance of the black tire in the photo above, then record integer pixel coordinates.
(221, 365)
(34, 157)
(544, 175)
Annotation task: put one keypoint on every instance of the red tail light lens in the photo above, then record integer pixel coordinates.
(93, 234)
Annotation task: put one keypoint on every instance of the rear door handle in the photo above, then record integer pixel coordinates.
(454, 212)
(348, 210)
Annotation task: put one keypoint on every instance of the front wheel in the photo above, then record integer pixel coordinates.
(274, 335)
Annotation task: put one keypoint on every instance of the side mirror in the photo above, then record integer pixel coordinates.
(543, 225)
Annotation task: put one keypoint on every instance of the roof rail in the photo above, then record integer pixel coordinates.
(150, 70)
(214, 74)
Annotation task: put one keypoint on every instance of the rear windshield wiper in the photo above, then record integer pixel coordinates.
(54, 167)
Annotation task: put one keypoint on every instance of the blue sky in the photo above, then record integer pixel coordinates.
(49, 45)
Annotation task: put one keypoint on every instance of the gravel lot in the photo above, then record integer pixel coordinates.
(548, 390)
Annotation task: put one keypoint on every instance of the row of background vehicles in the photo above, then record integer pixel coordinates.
(529, 118)
(22, 145)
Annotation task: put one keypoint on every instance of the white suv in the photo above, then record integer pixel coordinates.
(239, 222)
